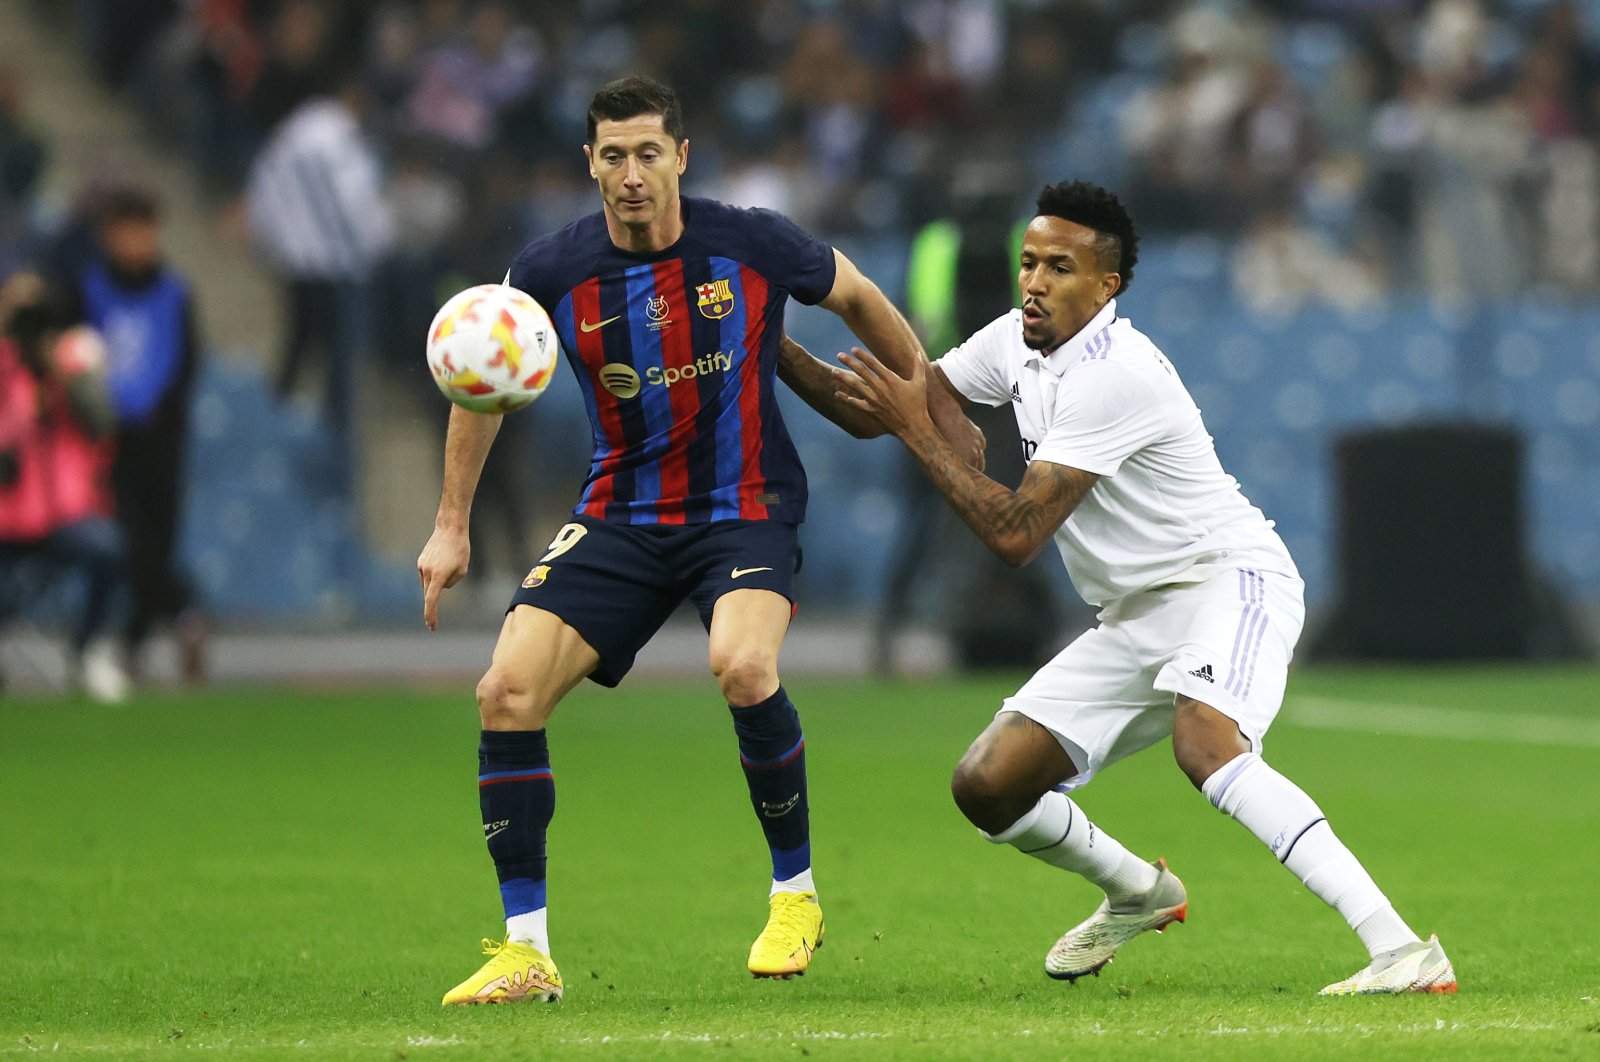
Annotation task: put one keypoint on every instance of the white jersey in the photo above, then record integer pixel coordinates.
(1107, 401)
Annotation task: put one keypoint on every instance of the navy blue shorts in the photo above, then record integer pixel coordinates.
(616, 584)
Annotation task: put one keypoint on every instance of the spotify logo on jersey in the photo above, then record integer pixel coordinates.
(623, 381)
(619, 379)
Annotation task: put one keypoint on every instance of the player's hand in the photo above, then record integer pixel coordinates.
(440, 566)
(899, 404)
(964, 437)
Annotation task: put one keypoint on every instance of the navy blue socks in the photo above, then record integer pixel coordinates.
(773, 754)
(518, 796)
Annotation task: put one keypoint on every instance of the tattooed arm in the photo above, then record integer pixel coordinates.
(1015, 525)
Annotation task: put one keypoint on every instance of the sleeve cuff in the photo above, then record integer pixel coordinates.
(1099, 466)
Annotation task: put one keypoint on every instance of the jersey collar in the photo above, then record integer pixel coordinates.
(1068, 353)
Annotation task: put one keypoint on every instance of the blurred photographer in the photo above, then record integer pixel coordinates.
(144, 310)
(55, 457)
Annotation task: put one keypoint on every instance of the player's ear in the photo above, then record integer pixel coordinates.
(683, 155)
(1110, 284)
(588, 154)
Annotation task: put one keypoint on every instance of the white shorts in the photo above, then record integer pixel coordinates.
(1225, 642)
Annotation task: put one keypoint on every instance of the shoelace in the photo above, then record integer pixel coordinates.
(791, 916)
(491, 946)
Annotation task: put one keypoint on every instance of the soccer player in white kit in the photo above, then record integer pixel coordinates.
(1201, 604)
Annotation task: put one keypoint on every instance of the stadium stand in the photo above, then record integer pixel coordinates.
(1316, 111)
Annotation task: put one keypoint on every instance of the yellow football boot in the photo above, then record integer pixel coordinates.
(794, 931)
(517, 973)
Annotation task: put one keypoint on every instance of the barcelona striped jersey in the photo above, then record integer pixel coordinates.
(676, 352)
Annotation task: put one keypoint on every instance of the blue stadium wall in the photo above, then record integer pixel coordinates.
(268, 540)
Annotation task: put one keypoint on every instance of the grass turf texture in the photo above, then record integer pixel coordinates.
(296, 872)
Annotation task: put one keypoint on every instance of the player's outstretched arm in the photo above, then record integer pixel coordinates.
(1014, 524)
(444, 559)
(817, 383)
(884, 331)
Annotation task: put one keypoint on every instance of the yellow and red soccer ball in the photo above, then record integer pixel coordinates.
(492, 349)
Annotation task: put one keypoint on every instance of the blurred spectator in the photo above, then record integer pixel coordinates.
(117, 32)
(144, 310)
(55, 452)
(464, 85)
(1478, 167)
(318, 210)
(1557, 90)
(1271, 140)
(1281, 265)
(22, 158)
(296, 55)
(1177, 133)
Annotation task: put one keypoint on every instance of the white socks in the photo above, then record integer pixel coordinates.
(1056, 831)
(1289, 823)
(530, 928)
(801, 882)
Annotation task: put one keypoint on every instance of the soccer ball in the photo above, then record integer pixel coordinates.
(492, 349)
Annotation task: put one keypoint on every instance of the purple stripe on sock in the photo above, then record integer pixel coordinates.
(1232, 776)
(780, 761)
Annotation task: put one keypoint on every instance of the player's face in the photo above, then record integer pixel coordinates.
(637, 166)
(1062, 282)
(133, 246)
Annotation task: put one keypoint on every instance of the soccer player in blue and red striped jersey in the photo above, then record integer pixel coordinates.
(670, 310)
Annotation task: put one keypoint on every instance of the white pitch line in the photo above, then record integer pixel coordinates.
(1276, 1032)
(1415, 720)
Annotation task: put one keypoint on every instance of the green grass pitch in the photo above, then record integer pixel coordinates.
(300, 873)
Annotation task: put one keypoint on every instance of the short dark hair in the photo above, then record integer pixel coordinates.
(1095, 208)
(34, 318)
(631, 97)
(128, 203)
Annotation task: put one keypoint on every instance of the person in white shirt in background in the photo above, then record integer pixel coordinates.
(319, 212)
(1201, 604)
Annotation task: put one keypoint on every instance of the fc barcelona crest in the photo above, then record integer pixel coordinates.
(716, 299)
(536, 577)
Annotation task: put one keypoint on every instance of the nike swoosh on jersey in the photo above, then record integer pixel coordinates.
(587, 327)
(748, 571)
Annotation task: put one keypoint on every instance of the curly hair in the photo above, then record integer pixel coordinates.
(1096, 208)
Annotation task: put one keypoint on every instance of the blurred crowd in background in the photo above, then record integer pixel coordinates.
(385, 153)
(1348, 146)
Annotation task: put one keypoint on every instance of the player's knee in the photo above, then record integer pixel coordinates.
(507, 702)
(984, 797)
(745, 676)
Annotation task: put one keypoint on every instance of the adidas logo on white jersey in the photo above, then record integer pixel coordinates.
(1203, 672)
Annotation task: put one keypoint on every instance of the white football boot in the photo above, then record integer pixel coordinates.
(1087, 947)
(1419, 967)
